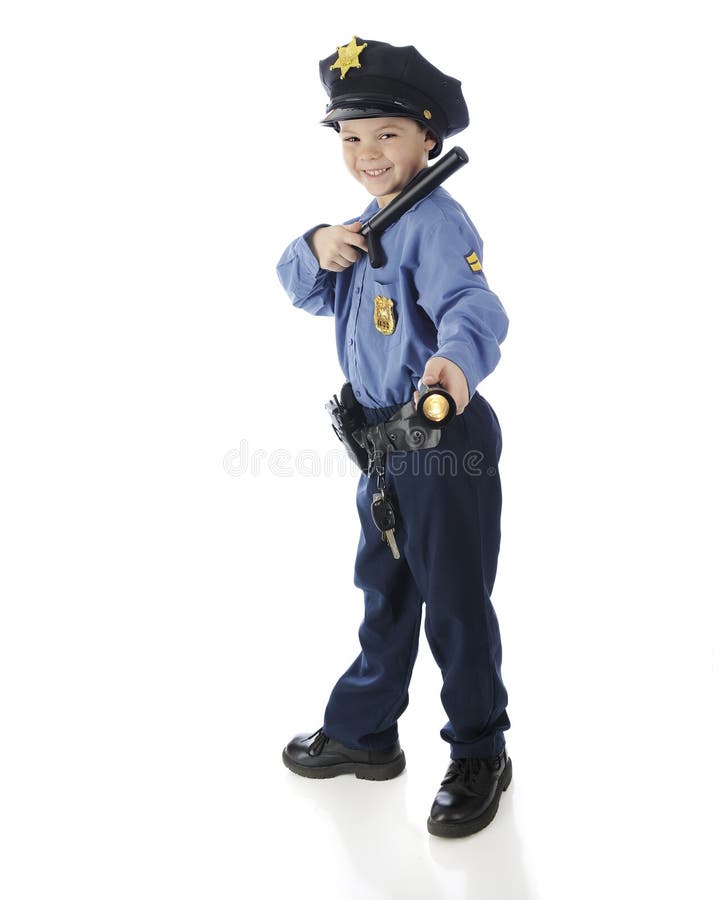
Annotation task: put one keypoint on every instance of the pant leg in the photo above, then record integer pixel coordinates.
(449, 501)
(367, 701)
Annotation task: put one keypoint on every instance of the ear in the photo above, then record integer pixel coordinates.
(430, 140)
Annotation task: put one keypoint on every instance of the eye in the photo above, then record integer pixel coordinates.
(387, 134)
(350, 139)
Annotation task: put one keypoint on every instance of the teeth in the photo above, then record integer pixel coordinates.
(375, 171)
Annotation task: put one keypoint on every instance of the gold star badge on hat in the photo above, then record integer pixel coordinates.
(348, 57)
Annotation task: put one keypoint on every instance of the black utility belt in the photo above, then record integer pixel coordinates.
(411, 428)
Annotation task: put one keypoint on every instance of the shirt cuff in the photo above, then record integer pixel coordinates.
(475, 365)
(307, 258)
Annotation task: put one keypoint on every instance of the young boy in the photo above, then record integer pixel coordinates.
(426, 315)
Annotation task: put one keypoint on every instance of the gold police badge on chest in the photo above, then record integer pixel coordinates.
(384, 316)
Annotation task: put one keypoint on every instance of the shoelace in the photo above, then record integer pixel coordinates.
(316, 748)
(469, 768)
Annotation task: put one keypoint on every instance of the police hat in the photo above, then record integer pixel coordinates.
(370, 79)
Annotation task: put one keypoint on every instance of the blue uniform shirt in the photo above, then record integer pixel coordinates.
(429, 299)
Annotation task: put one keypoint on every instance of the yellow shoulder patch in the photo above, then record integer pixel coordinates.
(472, 260)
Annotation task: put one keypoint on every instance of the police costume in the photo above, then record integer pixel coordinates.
(430, 298)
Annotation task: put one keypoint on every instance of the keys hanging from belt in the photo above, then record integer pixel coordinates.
(381, 508)
(383, 516)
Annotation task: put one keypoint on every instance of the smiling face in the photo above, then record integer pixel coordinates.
(384, 154)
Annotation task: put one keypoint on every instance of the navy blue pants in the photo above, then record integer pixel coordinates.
(447, 504)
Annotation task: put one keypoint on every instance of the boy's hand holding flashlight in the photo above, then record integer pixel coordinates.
(449, 376)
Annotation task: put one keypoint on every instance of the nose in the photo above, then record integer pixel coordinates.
(369, 152)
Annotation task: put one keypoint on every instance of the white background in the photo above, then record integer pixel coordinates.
(170, 618)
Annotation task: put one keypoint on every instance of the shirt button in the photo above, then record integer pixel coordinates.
(358, 394)
(350, 342)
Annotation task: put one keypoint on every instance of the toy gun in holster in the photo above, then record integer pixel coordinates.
(347, 418)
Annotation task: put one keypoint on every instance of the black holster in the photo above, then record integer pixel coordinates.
(347, 418)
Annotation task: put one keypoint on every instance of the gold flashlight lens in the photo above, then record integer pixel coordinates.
(436, 408)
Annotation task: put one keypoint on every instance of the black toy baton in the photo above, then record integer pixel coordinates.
(417, 188)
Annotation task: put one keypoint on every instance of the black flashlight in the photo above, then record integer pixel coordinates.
(436, 405)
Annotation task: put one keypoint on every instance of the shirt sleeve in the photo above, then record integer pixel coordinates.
(470, 319)
(308, 286)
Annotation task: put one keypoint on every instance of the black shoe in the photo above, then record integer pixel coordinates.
(319, 756)
(469, 795)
